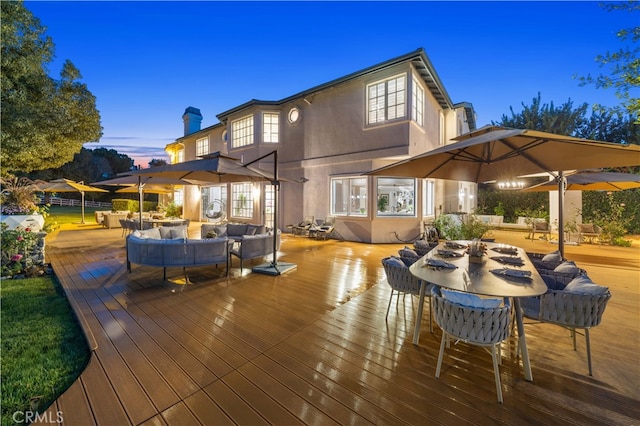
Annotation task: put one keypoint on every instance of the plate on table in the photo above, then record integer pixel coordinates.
(506, 250)
(508, 260)
(449, 253)
(513, 273)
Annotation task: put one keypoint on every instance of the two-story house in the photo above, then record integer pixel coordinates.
(327, 138)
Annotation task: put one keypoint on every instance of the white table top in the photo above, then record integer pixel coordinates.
(477, 277)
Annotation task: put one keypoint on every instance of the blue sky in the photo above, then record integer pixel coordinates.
(147, 61)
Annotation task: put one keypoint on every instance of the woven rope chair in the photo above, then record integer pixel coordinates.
(572, 311)
(485, 327)
(403, 282)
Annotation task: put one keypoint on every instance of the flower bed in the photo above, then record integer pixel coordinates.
(22, 252)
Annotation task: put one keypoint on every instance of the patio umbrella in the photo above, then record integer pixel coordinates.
(142, 184)
(591, 181)
(499, 153)
(212, 168)
(66, 185)
(148, 189)
(219, 168)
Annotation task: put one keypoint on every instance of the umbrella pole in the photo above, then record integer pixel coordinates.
(560, 180)
(141, 199)
(82, 207)
(274, 268)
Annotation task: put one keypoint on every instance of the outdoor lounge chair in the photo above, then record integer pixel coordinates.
(303, 227)
(323, 231)
(589, 231)
(541, 228)
(481, 326)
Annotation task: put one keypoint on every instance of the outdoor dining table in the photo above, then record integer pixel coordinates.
(477, 278)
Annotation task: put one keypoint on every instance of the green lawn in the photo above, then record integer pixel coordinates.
(43, 347)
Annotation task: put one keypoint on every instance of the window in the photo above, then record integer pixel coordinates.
(428, 197)
(242, 200)
(349, 196)
(386, 100)
(396, 196)
(270, 128)
(417, 107)
(242, 132)
(178, 156)
(441, 124)
(202, 146)
(178, 197)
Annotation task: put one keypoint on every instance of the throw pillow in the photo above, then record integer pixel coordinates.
(583, 284)
(470, 300)
(152, 233)
(221, 230)
(393, 261)
(211, 234)
(236, 229)
(567, 267)
(554, 256)
(255, 229)
(179, 232)
(422, 245)
(165, 232)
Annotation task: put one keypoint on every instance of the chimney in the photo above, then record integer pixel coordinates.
(192, 119)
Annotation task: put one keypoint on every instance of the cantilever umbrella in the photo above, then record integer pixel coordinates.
(219, 168)
(591, 181)
(500, 153)
(66, 185)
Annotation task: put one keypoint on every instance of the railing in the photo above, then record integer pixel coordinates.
(57, 201)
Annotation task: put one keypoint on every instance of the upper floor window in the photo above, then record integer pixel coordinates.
(349, 196)
(242, 132)
(442, 130)
(270, 127)
(202, 146)
(417, 105)
(386, 100)
(178, 156)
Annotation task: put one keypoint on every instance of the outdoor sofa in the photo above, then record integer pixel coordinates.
(255, 246)
(169, 247)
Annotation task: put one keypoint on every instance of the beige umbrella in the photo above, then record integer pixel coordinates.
(499, 153)
(591, 181)
(148, 189)
(66, 185)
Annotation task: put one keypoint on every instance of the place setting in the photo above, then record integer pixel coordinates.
(517, 275)
(437, 264)
(508, 260)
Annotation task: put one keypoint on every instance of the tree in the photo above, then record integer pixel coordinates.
(624, 65)
(44, 121)
(155, 162)
(564, 120)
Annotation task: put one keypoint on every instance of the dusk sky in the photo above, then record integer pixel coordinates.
(147, 61)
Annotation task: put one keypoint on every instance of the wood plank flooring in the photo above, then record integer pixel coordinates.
(313, 347)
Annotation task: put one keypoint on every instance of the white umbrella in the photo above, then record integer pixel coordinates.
(591, 181)
(499, 153)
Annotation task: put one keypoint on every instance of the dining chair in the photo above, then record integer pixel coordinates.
(577, 305)
(403, 282)
(476, 325)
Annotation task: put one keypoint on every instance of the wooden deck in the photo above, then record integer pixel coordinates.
(312, 346)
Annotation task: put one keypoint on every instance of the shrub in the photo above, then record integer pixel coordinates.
(17, 250)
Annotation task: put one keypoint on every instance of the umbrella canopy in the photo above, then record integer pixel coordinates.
(591, 181)
(499, 153)
(214, 168)
(66, 185)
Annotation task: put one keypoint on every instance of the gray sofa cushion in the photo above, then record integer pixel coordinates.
(236, 229)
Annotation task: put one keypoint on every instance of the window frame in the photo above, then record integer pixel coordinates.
(417, 104)
(395, 196)
(271, 126)
(352, 210)
(242, 208)
(202, 146)
(381, 100)
(242, 131)
(428, 198)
